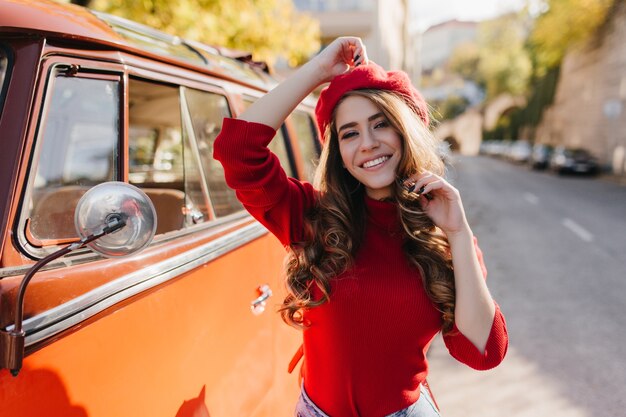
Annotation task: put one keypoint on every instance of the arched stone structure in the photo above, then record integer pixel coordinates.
(453, 143)
(498, 106)
(467, 129)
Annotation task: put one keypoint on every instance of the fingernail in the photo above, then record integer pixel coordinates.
(411, 188)
(421, 191)
(356, 58)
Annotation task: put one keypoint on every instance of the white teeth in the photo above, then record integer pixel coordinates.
(375, 162)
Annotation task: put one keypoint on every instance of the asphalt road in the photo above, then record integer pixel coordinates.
(555, 248)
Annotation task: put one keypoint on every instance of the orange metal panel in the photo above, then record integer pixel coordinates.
(188, 347)
(150, 356)
(51, 17)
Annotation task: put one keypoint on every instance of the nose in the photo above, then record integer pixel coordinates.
(369, 140)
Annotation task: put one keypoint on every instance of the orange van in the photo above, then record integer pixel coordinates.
(185, 327)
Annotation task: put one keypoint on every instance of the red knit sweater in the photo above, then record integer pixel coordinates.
(365, 350)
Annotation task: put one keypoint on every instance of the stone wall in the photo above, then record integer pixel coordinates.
(465, 130)
(589, 108)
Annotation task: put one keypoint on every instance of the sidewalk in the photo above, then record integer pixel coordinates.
(516, 388)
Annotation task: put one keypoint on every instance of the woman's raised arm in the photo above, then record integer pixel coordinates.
(338, 57)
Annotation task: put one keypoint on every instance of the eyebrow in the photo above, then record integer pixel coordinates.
(369, 119)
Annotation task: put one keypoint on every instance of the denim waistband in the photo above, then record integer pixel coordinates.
(423, 407)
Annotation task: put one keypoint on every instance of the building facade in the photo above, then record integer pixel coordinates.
(384, 26)
(438, 44)
(440, 41)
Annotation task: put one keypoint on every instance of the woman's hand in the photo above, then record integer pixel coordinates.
(441, 202)
(273, 108)
(338, 57)
(474, 309)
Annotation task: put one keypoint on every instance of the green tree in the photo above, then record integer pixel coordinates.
(564, 24)
(270, 29)
(503, 63)
(465, 62)
(498, 61)
(451, 107)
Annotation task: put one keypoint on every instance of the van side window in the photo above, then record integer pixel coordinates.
(207, 110)
(161, 160)
(278, 146)
(307, 141)
(4, 64)
(78, 148)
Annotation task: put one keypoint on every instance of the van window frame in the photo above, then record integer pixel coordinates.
(52, 68)
(186, 96)
(182, 107)
(8, 54)
(51, 311)
(317, 146)
(125, 73)
(289, 148)
(202, 84)
(248, 98)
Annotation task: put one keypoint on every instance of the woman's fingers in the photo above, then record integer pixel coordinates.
(417, 183)
(359, 54)
(353, 50)
(439, 199)
(340, 56)
(434, 185)
(426, 182)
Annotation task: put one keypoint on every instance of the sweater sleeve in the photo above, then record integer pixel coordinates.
(464, 351)
(262, 186)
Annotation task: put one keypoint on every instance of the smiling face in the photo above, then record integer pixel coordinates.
(370, 147)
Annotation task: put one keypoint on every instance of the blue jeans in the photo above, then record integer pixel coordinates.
(424, 407)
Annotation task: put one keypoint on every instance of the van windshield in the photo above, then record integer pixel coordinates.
(3, 70)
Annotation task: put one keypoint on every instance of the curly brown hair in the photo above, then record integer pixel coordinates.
(335, 226)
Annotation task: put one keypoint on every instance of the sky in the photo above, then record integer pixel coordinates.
(430, 12)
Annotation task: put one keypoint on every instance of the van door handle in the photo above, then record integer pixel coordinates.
(195, 215)
(258, 305)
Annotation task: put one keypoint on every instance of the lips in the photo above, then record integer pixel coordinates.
(374, 162)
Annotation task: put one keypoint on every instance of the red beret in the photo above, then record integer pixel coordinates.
(370, 76)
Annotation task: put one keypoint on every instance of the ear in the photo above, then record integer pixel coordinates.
(202, 393)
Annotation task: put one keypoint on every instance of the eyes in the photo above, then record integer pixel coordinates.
(381, 124)
(352, 132)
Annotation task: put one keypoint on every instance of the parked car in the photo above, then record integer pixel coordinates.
(573, 161)
(497, 148)
(520, 151)
(179, 328)
(540, 156)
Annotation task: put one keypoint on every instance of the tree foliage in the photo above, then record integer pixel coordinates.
(451, 107)
(465, 60)
(563, 24)
(521, 54)
(498, 60)
(271, 29)
(503, 61)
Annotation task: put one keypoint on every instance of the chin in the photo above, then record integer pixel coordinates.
(379, 184)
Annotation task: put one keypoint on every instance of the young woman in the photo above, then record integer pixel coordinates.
(381, 257)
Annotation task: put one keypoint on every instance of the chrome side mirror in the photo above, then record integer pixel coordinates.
(112, 202)
(114, 219)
